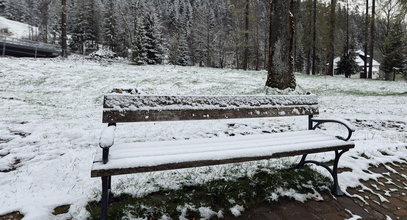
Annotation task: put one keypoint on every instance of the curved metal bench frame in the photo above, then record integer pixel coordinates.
(335, 189)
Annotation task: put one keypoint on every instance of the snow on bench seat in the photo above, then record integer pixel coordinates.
(167, 155)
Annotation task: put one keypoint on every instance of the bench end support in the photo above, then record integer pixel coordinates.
(105, 197)
(335, 189)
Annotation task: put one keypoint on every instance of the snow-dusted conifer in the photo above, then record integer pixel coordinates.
(16, 10)
(183, 57)
(347, 65)
(86, 24)
(154, 42)
(203, 33)
(109, 26)
(139, 55)
(394, 52)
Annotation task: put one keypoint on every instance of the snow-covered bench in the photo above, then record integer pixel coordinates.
(116, 159)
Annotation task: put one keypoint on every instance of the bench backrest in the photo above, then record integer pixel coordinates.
(120, 108)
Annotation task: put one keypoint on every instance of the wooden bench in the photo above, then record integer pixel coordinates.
(166, 155)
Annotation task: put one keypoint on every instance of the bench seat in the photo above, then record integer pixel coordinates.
(167, 155)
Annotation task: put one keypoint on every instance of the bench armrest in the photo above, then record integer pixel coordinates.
(318, 121)
(107, 137)
(106, 141)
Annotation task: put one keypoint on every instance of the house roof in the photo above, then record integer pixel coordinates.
(361, 53)
(358, 59)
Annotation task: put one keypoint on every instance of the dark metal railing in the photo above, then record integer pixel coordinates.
(25, 42)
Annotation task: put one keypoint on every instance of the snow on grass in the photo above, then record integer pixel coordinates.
(51, 123)
(237, 210)
(17, 29)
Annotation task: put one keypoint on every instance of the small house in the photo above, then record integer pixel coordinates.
(360, 60)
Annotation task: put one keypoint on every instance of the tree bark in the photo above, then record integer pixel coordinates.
(347, 27)
(257, 48)
(295, 12)
(246, 37)
(281, 62)
(314, 38)
(44, 17)
(364, 76)
(64, 38)
(372, 40)
(331, 49)
(308, 43)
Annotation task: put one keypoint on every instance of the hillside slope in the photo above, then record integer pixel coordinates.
(16, 29)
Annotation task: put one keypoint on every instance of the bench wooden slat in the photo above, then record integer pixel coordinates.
(140, 115)
(204, 102)
(168, 148)
(174, 166)
(156, 156)
(120, 108)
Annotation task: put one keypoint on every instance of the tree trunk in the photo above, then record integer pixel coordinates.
(266, 42)
(208, 48)
(347, 27)
(372, 33)
(257, 48)
(44, 17)
(366, 40)
(314, 38)
(246, 37)
(281, 62)
(331, 53)
(64, 38)
(309, 28)
(295, 12)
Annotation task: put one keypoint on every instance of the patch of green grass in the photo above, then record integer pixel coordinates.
(134, 64)
(384, 153)
(372, 93)
(219, 195)
(356, 92)
(365, 156)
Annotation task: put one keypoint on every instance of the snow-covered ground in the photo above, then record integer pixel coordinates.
(16, 29)
(51, 121)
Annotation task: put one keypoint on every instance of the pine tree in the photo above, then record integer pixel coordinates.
(80, 30)
(139, 55)
(64, 38)
(394, 48)
(203, 31)
(183, 57)
(86, 28)
(16, 10)
(347, 65)
(109, 26)
(2, 7)
(44, 16)
(154, 42)
(299, 59)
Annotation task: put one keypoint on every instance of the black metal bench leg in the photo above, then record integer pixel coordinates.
(109, 184)
(302, 162)
(335, 189)
(105, 197)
